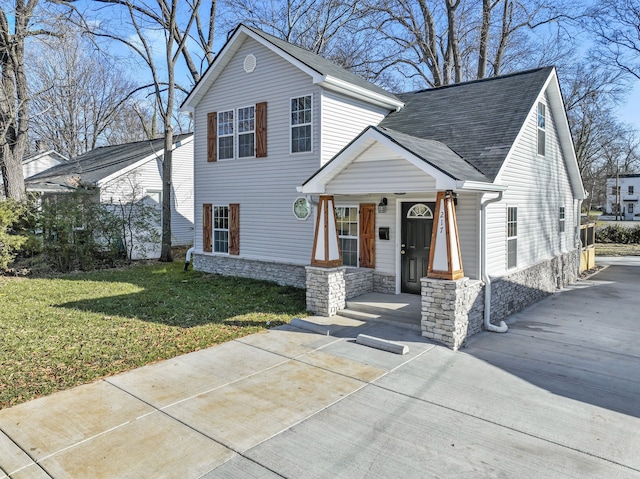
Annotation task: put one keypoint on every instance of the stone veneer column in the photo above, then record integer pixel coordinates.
(326, 290)
(449, 310)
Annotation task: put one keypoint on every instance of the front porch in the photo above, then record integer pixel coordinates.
(399, 309)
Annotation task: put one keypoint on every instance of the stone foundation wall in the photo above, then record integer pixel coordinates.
(451, 310)
(326, 290)
(358, 281)
(514, 292)
(384, 283)
(280, 273)
(454, 310)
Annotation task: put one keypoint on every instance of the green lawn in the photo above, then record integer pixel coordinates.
(59, 332)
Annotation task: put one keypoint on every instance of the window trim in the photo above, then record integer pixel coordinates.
(252, 132)
(214, 229)
(356, 238)
(630, 190)
(562, 219)
(512, 239)
(291, 126)
(221, 136)
(541, 130)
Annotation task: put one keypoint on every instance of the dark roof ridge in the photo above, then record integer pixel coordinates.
(481, 80)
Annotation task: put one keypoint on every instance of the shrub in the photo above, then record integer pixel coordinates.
(11, 213)
(618, 234)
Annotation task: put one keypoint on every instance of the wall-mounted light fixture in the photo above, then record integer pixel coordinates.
(382, 206)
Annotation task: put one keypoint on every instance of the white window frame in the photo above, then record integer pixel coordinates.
(562, 219)
(215, 229)
(220, 136)
(512, 239)
(631, 209)
(245, 133)
(541, 118)
(350, 237)
(630, 190)
(300, 125)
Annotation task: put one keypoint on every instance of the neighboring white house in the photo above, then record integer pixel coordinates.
(122, 172)
(41, 161)
(279, 130)
(623, 193)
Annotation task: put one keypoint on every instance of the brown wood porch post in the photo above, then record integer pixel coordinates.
(445, 261)
(326, 245)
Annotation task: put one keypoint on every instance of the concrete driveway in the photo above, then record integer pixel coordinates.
(556, 396)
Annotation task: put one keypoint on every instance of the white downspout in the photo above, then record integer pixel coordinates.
(503, 328)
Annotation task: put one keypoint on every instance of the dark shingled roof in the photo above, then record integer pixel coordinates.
(478, 120)
(435, 153)
(98, 164)
(322, 65)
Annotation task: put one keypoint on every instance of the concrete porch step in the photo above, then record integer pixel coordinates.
(402, 309)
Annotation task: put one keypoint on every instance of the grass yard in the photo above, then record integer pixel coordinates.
(59, 332)
(613, 249)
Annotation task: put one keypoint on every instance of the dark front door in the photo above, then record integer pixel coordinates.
(417, 223)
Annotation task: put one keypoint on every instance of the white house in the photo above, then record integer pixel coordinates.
(623, 192)
(41, 161)
(282, 136)
(120, 173)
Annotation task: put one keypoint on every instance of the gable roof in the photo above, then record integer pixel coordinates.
(321, 70)
(41, 154)
(479, 120)
(99, 164)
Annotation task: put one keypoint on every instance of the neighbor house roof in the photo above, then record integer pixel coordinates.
(100, 163)
(479, 120)
(322, 71)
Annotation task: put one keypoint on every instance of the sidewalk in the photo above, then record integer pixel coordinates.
(556, 396)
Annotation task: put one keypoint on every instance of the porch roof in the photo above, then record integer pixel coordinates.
(435, 159)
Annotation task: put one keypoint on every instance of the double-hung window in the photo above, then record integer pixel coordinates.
(542, 115)
(562, 220)
(301, 124)
(220, 229)
(512, 237)
(225, 135)
(630, 190)
(347, 222)
(246, 132)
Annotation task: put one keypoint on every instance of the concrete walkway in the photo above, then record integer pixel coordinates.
(557, 396)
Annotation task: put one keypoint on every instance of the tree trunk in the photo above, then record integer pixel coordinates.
(484, 39)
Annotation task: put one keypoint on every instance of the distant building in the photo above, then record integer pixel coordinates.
(623, 192)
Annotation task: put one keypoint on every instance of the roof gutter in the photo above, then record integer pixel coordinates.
(503, 328)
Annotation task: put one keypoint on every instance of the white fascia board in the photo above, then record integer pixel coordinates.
(349, 89)
(479, 186)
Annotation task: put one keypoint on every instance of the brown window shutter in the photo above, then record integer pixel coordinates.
(261, 130)
(367, 235)
(234, 229)
(212, 136)
(207, 230)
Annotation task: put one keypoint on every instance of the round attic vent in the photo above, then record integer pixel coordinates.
(250, 63)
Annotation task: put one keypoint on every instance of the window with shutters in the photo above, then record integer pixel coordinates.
(246, 132)
(220, 229)
(225, 135)
(239, 133)
(301, 123)
(347, 223)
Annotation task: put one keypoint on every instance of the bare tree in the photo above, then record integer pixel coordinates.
(14, 98)
(177, 22)
(80, 98)
(438, 42)
(616, 23)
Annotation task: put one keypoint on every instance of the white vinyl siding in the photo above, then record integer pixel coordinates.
(382, 172)
(467, 215)
(342, 120)
(537, 188)
(265, 187)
